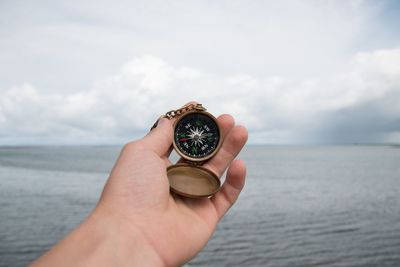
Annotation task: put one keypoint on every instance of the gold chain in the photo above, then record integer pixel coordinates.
(176, 113)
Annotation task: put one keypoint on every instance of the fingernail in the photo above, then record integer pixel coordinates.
(162, 121)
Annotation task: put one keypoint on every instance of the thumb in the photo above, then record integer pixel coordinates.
(160, 138)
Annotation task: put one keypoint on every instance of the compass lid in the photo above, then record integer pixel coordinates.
(192, 181)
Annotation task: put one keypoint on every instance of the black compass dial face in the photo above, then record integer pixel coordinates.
(196, 135)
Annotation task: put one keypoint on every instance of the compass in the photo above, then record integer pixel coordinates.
(197, 136)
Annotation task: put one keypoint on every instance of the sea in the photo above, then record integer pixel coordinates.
(301, 205)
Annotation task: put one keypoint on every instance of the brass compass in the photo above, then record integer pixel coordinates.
(197, 138)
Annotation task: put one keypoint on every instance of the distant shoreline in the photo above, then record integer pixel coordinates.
(22, 146)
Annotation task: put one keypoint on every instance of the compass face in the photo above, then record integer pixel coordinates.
(197, 135)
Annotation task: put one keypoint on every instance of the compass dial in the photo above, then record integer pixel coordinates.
(197, 135)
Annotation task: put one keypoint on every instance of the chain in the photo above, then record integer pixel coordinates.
(176, 113)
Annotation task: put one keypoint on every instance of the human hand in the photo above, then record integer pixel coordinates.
(138, 220)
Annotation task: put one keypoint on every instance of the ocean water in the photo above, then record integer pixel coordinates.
(301, 206)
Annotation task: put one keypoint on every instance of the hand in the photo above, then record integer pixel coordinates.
(138, 221)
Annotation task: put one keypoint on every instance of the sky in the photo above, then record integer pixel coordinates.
(292, 72)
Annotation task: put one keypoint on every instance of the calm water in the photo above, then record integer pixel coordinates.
(302, 206)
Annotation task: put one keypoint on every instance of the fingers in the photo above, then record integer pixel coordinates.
(226, 122)
(233, 143)
(230, 190)
(159, 139)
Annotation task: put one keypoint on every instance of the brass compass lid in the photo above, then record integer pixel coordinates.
(192, 181)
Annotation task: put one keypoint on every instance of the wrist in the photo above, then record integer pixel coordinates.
(117, 242)
(102, 240)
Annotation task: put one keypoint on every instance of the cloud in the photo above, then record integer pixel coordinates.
(66, 45)
(356, 105)
(290, 71)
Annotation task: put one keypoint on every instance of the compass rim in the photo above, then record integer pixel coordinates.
(199, 159)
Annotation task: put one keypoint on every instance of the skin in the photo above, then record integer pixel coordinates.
(138, 222)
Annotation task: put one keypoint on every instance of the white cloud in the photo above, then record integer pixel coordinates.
(283, 68)
(275, 109)
(64, 46)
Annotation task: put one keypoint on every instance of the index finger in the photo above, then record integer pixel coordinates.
(233, 143)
